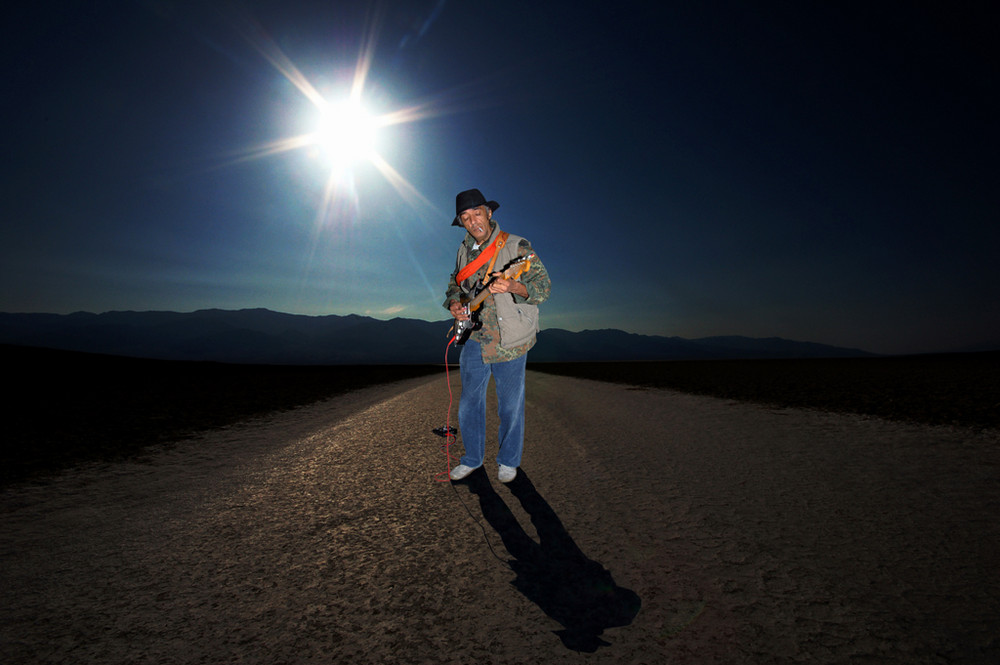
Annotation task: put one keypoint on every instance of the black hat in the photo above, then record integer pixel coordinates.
(471, 198)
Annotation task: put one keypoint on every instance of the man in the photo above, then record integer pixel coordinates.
(509, 317)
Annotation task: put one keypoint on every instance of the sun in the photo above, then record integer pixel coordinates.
(346, 133)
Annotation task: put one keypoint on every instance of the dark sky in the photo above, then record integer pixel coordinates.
(816, 171)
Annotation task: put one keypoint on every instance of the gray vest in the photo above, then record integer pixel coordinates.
(518, 321)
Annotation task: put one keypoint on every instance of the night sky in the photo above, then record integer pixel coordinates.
(821, 172)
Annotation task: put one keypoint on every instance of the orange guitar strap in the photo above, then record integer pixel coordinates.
(500, 242)
(489, 253)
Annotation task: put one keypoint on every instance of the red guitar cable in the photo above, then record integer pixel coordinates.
(444, 477)
(448, 434)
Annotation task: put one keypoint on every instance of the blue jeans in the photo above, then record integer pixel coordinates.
(509, 378)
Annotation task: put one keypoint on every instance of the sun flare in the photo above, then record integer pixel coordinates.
(346, 134)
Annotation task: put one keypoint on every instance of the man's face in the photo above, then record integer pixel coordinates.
(477, 222)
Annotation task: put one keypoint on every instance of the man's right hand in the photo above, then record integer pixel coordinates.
(458, 311)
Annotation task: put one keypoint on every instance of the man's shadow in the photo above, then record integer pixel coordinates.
(554, 573)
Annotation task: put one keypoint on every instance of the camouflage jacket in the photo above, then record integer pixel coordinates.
(535, 280)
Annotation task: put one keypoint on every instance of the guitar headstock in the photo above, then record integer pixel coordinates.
(518, 266)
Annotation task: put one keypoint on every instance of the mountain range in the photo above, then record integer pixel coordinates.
(261, 336)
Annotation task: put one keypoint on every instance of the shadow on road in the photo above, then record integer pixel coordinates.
(554, 573)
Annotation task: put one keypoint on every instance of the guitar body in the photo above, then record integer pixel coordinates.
(463, 329)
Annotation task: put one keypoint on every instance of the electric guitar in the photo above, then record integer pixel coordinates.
(472, 302)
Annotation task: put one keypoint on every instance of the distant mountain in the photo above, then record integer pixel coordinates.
(555, 345)
(261, 336)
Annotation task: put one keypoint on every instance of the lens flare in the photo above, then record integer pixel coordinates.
(346, 134)
(343, 132)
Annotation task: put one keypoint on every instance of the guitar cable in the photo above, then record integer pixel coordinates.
(449, 432)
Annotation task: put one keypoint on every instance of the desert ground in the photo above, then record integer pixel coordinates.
(647, 525)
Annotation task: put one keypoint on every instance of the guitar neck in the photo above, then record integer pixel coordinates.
(513, 272)
(478, 300)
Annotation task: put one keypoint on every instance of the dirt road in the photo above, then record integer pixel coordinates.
(645, 527)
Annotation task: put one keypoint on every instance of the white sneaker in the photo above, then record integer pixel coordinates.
(507, 473)
(461, 471)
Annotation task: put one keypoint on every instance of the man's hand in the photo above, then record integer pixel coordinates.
(501, 285)
(457, 310)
